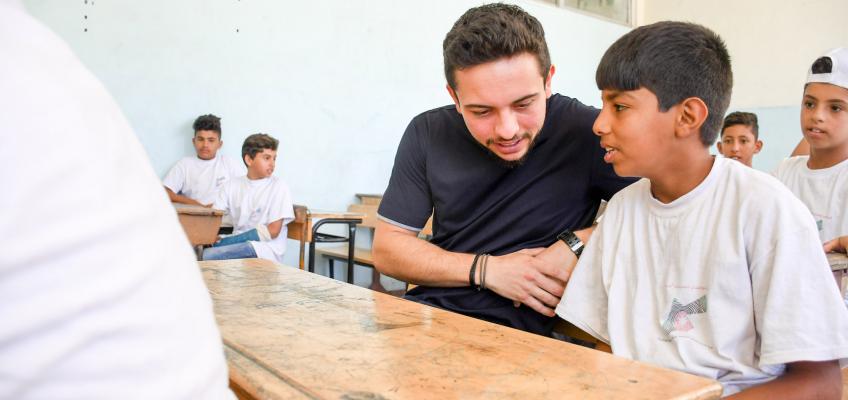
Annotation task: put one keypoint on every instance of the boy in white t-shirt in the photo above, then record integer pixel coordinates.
(197, 179)
(820, 180)
(740, 137)
(705, 266)
(260, 206)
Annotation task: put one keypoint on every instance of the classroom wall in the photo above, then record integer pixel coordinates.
(771, 44)
(336, 81)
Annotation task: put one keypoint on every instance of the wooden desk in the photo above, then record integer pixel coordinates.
(305, 226)
(839, 267)
(200, 224)
(289, 333)
(370, 198)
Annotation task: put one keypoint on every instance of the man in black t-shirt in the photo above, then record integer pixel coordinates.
(505, 171)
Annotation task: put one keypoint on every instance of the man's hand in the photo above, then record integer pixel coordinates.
(836, 245)
(527, 279)
(539, 283)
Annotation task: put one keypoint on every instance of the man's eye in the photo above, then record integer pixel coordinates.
(480, 113)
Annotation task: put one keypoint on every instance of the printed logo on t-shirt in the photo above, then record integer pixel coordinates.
(678, 317)
(220, 181)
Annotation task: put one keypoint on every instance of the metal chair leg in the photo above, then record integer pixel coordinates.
(350, 248)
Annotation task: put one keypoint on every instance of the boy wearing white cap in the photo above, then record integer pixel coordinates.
(820, 180)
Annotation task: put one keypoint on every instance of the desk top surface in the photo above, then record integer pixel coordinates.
(292, 332)
(190, 209)
(322, 214)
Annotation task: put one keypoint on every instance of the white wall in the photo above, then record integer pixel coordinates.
(771, 43)
(336, 81)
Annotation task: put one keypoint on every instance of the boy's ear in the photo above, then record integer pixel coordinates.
(718, 146)
(693, 112)
(247, 159)
(758, 146)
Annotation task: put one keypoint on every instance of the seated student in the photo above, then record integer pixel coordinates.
(820, 180)
(740, 137)
(260, 206)
(693, 268)
(197, 179)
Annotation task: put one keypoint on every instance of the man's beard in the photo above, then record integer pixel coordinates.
(531, 140)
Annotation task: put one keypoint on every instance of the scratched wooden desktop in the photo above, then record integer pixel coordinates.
(292, 334)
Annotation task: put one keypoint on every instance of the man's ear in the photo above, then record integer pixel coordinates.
(692, 112)
(452, 94)
(548, 81)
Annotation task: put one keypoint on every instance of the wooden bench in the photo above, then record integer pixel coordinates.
(305, 230)
(363, 256)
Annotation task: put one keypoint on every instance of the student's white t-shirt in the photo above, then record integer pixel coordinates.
(728, 282)
(823, 191)
(201, 180)
(262, 201)
(100, 295)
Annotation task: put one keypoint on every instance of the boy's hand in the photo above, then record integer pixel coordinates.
(836, 245)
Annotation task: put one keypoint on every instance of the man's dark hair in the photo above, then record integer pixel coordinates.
(675, 61)
(207, 122)
(490, 32)
(742, 118)
(257, 142)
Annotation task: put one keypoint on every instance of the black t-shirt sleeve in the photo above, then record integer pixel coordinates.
(407, 201)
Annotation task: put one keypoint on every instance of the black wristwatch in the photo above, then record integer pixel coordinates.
(572, 241)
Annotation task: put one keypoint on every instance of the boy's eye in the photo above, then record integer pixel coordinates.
(808, 104)
(836, 108)
(619, 107)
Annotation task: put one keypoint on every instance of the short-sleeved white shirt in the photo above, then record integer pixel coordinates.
(824, 192)
(728, 282)
(100, 294)
(261, 201)
(201, 180)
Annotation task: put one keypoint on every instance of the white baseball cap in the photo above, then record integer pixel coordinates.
(831, 68)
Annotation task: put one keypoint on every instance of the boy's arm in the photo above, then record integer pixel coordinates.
(178, 198)
(275, 227)
(802, 380)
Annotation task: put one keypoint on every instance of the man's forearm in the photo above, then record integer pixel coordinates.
(404, 256)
